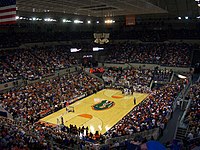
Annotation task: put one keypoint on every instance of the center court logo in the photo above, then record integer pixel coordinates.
(104, 104)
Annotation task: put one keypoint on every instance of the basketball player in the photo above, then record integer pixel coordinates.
(58, 121)
(62, 120)
(134, 101)
(122, 91)
(67, 104)
(130, 92)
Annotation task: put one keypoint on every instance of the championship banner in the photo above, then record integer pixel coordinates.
(101, 38)
(130, 20)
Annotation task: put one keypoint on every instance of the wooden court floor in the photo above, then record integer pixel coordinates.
(97, 120)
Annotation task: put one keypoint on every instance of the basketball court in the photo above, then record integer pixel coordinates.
(99, 111)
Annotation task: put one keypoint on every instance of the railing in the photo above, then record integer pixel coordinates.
(187, 89)
(150, 86)
(184, 114)
(175, 102)
(198, 79)
(187, 131)
(181, 119)
(171, 77)
(181, 95)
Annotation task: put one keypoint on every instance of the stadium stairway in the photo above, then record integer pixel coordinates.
(181, 133)
(170, 129)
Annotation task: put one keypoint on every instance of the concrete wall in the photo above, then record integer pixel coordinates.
(187, 41)
(145, 66)
(9, 85)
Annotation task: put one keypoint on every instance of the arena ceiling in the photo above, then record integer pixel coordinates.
(101, 8)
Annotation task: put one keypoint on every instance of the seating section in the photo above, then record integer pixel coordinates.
(176, 55)
(30, 103)
(34, 63)
(7, 73)
(57, 58)
(28, 65)
(193, 114)
(15, 136)
(134, 53)
(171, 54)
(39, 62)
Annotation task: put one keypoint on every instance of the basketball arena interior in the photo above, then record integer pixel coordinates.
(100, 74)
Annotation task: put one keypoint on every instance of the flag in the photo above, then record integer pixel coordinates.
(7, 12)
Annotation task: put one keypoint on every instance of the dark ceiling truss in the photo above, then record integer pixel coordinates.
(91, 7)
(101, 8)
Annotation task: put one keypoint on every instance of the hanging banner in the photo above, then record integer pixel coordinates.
(130, 20)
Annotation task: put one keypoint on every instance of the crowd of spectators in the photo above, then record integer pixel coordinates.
(167, 54)
(17, 135)
(129, 52)
(192, 118)
(36, 100)
(7, 73)
(29, 103)
(69, 136)
(56, 57)
(28, 65)
(34, 63)
(39, 62)
(176, 55)
(14, 136)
